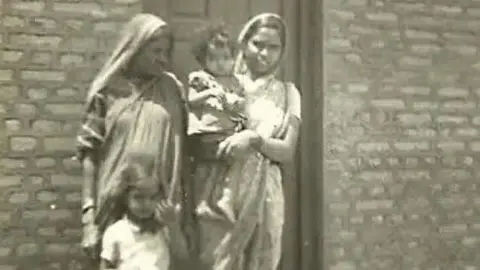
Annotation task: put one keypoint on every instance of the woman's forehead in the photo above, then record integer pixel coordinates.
(267, 34)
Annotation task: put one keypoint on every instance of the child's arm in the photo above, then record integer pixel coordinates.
(200, 88)
(196, 98)
(178, 243)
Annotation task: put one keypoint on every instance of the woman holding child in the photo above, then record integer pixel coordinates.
(240, 208)
(131, 146)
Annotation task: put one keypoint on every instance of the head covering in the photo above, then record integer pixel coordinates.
(136, 33)
(240, 65)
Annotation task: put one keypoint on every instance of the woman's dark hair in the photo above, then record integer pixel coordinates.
(268, 22)
(204, 35)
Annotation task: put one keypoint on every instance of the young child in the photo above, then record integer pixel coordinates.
(217, 103)
(148, 234)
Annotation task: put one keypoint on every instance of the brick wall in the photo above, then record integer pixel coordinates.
(402, 128)
(49, 51)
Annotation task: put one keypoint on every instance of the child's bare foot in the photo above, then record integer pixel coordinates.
(204, 210)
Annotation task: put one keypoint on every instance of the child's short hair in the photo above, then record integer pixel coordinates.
(204, 35)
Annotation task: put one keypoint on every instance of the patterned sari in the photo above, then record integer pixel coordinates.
(253, 240)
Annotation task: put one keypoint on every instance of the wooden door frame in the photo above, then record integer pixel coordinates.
(310, 80)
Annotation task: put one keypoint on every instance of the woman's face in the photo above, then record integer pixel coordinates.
(263, 50)
(153, 57)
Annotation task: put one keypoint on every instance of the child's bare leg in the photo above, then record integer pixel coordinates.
(203, 209)
(225, 203)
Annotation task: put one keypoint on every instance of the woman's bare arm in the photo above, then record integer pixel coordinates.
(89, 169)
(279, 150)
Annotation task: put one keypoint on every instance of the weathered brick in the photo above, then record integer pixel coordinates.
(65, 180)
(389, 103)
(415, 90)
(41, 58)
(54, 215)
(13, 21)
(29, 5)
(18, 197)
(11, 56)
(6, 74)
(13, 125)
(451, 146)
(46, 127)
(414, 175)
(10, 180)
(44, 41)
(67, 92)
(43, 75)
(37, 93)
(27, 249)
(78, 7)
(46, 196)
(25, 109)
(55, 144)
(57, 249)
(412, 146)
(453, 92)
(11, 163)
(45, 162)
(73, 197)
(43, 23)
(373, 147)
(5, 251)
(65, 109)
(21, 144)
(411, 119)
(72, 59)
(374, 205)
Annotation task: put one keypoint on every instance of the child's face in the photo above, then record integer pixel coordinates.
(219, 58)
(141, 202)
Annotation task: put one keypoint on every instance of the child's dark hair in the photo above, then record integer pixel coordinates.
(205, 34)
(134, 176)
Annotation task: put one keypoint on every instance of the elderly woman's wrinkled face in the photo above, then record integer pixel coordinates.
(153, 57)
(263, 50)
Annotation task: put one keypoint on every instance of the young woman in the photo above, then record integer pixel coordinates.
(272, 108)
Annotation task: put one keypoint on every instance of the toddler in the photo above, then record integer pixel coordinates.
(217, 103)
(148, 233)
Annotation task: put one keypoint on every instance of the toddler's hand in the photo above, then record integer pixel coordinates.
(218, 93)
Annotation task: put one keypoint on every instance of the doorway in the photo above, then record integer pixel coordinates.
(303, 229)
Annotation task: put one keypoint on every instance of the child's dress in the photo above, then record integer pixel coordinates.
(130, 249)
(208, 126)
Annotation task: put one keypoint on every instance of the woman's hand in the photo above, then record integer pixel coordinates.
(237, 144)
(90, 231)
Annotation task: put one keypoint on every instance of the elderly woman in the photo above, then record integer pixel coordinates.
(252, 240)
(146, 124)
